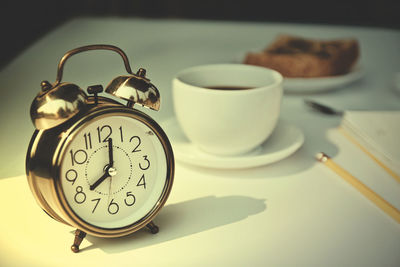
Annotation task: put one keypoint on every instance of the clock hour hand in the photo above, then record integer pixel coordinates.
(110, 152)
(101, 179)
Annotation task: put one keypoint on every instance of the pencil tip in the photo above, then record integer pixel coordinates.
(321, 156)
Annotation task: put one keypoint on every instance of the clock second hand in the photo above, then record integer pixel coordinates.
(111, 163)
(109, 190)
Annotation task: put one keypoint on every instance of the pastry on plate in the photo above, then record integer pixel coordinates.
(296, 57)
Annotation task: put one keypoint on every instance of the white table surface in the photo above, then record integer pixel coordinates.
(295, 212)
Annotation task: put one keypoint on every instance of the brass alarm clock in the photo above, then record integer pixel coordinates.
(94, 163)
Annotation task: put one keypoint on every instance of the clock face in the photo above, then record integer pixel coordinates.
(113, 171)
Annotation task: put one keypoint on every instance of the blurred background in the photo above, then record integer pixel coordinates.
(23, 22)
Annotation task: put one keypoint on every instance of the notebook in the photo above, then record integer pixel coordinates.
(376, 132)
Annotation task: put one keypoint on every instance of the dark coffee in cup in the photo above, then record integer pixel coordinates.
(228, 87)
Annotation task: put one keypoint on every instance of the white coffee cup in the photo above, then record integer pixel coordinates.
(227, 122)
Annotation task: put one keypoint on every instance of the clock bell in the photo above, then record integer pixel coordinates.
(58, 102)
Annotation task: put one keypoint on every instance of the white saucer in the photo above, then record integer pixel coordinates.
(283, 142)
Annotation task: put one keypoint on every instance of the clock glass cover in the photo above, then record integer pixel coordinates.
(113, 171)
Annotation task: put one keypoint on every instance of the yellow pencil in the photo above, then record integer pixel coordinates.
(362, 188)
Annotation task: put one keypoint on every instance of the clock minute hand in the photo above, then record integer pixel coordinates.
(110, 152)
(101, 179)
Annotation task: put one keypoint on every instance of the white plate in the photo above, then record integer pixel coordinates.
(314, 85)
(284, 141)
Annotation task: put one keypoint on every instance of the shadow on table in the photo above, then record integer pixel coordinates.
(183, 219)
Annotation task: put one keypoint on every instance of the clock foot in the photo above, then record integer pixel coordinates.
(153, 228)
(79, 236)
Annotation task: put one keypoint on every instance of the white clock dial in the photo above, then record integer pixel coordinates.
(114, 171)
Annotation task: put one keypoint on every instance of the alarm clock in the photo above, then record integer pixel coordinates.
(95, 163)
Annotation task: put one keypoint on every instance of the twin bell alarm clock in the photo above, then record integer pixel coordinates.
(94, 163)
